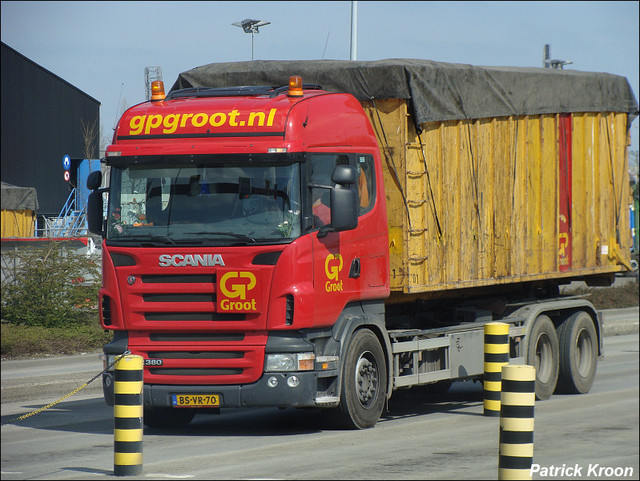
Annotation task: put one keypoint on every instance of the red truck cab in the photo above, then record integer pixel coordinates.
(244, 241)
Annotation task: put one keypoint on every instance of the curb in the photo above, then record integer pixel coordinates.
(48, 387)
(612, 325)
(55, 377)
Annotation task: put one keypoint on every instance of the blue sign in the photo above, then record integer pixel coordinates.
(66, 162)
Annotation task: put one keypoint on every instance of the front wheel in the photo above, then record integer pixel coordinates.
(542, 353)
(578, 353)
(364, 383)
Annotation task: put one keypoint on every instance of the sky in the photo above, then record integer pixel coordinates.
(102, 48)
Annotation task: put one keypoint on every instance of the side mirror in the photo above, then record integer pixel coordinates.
(95, 207)
(344, 208)
(344, 201)
(344, 175)
(94, 180)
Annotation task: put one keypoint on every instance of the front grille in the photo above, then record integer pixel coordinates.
(189, 371)
(175, 324)
(180, 297)
(196, 355)
(204, 297)
(178, 278)
(200, 357)
(195, 336)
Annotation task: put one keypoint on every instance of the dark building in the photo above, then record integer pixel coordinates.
(43, 118)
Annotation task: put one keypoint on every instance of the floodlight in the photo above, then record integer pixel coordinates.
(251, 26)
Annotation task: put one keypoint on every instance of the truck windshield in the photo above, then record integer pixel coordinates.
(217, 204)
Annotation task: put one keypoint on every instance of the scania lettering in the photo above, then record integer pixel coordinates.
(190, 260)
(273, 243)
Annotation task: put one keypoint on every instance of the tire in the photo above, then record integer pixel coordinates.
(168, 417)
(364, 383)
(578, 353)
(542, 353)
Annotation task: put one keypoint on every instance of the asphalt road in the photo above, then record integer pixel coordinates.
(423, 436)
(52, 377)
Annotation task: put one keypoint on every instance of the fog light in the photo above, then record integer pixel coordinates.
(293, 381)
(272, 381)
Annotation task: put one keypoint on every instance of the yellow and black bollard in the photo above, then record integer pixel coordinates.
(496, 355)
(128, 415)
(516, 422)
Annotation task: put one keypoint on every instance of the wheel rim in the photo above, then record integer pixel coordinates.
(543, 357)
(366, 379)
(583, 353)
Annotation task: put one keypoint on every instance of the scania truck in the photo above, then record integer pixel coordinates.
(268, 241)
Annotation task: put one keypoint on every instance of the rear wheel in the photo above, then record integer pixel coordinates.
(578, 353)
(168, 417)
(542, 353)
(364, 383)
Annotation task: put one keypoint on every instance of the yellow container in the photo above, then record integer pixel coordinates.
(17, 223)
(491, 201)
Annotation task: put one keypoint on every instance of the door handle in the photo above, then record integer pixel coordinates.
(354, 270)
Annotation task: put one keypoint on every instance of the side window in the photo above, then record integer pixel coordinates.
(322, 166)
(366, 182)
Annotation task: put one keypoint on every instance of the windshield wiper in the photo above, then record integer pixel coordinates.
(242, 237)
(147, 238)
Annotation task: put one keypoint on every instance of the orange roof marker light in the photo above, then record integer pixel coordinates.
(295, 86)
(157, 90)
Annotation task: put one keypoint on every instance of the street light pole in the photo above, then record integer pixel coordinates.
(250, 26)
(354, 29)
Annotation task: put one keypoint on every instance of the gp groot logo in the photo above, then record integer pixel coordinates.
(234, 292)
(332, 267)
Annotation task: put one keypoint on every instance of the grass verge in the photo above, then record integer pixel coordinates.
(626, 295)
(23, 342)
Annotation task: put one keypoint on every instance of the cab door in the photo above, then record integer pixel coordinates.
(340, 259)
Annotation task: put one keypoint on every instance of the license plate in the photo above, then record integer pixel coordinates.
(196, 400)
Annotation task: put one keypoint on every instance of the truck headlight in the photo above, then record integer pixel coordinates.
(108, 361)
(300, 361)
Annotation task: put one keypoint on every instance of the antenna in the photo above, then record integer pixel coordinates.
(115, 121)
(326, 42)
(325, 45)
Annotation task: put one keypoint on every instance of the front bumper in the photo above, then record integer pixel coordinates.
(263, 393)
